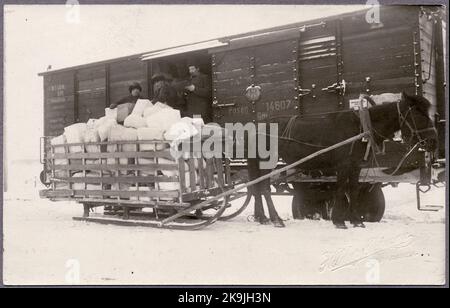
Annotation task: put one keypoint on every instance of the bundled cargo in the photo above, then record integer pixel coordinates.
(103, 125)
(91, 136)
(146, 133)
(121, 133)
(58, 142)
(133, 163)
(75, 134)
(182, 129)
(140, 106)
(134, 121)
(87, 186)
(161, 120)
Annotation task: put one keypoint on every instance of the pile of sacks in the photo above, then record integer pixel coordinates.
(145, 121)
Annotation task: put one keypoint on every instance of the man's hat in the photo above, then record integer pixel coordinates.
(158, 77)
(134, 85)
(193, 62)
(161, 77)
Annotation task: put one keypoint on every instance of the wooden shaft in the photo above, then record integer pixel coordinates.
(262, 178)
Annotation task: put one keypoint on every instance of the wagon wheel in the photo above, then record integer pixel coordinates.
(372, 202)
(248, 197)
(43, 177)
(302, 202)
(296, 212)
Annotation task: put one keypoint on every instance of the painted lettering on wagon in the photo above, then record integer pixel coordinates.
(238, 110)
(58, 88)
(267, 108)
(278, 105)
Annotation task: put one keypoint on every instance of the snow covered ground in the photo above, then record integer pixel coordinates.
(43, 245)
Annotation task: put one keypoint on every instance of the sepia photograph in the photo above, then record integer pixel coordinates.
(218, 144)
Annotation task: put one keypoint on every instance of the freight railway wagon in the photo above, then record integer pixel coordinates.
(302, 69)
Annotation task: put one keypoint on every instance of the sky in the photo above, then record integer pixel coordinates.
(36, 36)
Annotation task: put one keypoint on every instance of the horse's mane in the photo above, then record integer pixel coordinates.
(419, 102)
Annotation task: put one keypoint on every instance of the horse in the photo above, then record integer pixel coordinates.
(301, 137)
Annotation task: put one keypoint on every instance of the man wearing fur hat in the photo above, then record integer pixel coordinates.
(135, 90)
(165, 91)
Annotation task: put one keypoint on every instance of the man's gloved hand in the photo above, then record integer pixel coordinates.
(190, 88)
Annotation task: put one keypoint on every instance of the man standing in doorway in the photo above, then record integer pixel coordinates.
(198, 94)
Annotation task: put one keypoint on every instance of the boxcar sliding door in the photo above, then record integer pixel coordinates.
(269, 65)
(320, 69)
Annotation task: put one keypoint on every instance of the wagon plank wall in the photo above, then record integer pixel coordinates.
(428, 31)
(380, 57)
(58, 102)
(317, 68)
(275, 73)
(270, 66)
(91, 93)
(230, 79)
(122, 74)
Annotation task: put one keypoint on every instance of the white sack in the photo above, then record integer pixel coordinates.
(91, 123)
(60, 150)
(162, 105)
(61, 139)
(91, 135)
(81, 186)
(121, 186)
(111, 113)
(151, 109)
(163, 186)
(145, 133)
(163, 119)
(134, 121)
(196, 122)
(74, 134)
(103, 125)
(141, 105)
(386, 98)
(181, 130)
(120, 133)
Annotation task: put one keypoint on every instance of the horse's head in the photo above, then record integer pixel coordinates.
(415, 122)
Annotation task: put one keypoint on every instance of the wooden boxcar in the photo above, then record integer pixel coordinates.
(303, 68)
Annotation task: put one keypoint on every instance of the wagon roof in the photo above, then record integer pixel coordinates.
(206, 44)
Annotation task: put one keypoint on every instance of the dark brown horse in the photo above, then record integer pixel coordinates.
(303, 136)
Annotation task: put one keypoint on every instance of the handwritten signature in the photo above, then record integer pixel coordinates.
(382, 247)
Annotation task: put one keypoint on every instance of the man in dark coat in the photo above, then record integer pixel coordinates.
(198, 94)
(165, 92)
(135, 90)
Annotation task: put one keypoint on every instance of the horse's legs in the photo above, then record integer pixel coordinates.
(274, 218)
(255, 190)
(339, 209)
(355, 213)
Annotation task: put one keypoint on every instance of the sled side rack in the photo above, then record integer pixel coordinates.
(186, 206)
